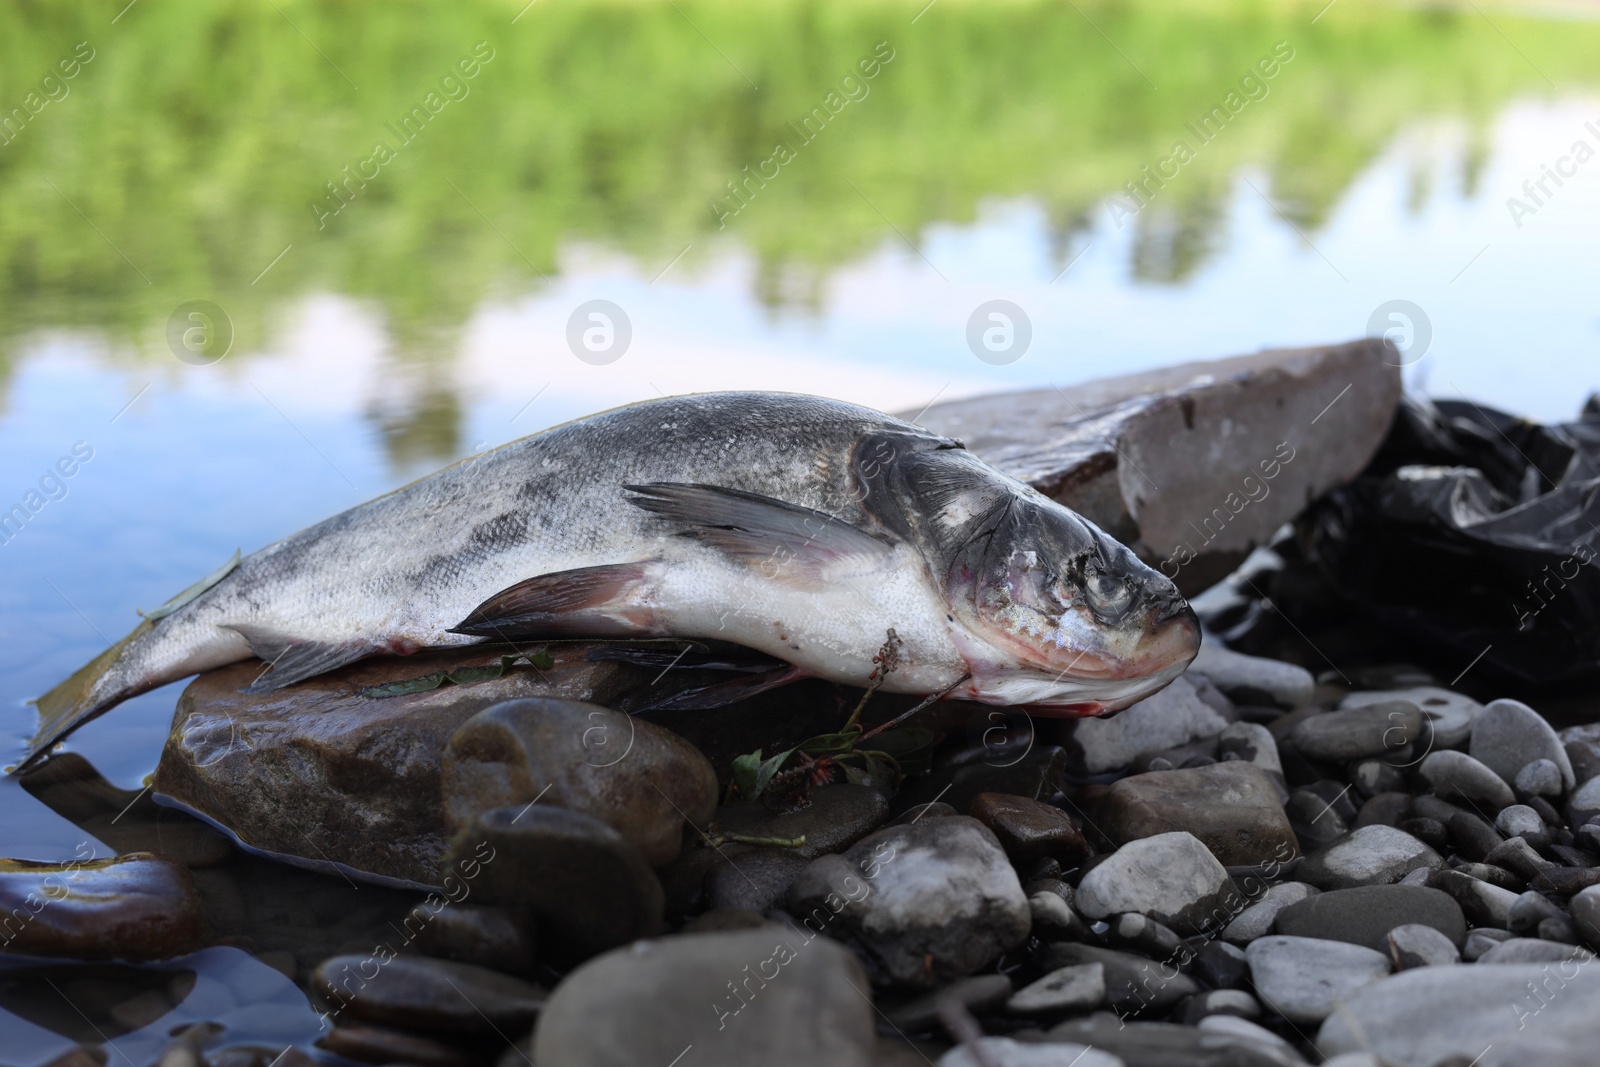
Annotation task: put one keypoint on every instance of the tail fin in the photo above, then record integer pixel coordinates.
(81, 697)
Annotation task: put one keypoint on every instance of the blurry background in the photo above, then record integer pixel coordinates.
(588, 157)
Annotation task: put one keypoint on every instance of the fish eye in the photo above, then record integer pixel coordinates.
(1108, 592)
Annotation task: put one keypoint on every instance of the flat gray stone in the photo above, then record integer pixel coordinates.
(1468, 1010)
(1079, 987)
(1418, 945)
(1380, 729)
(1366, 914)
(1535, 950)
(1172, 878)
(1259, 918)
(757, 996)
(1519, 820)
(1456, 774)
(1451, 714)
(1372, 855)
(1171, 718)
(1509, 735)
(1253, 679)
(1304, 978)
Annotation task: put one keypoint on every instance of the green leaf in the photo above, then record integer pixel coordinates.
(746, 769)
(770, 768)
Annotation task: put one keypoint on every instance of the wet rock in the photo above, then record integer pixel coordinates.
(1429, 831)
(1006, 1052)
(1173, 717)
(1253, 743)
(836, 817)
(1535, 950)
(1541, 778)
(373, 1044)
(1419, 945)
(327, 773)
(1450, 714)
(979, 993)
(1482, 903)
(1303, 978)
(1030, 830)
(923, 903)
(1365, 915)
(638, 778)
(1468, 1009)
(1315, 821)
(1253, 679)
(435, 996)
(588, 885)
(1134, 984)
(755, 880)
(765, 997)
(487, 936)
(1372, 855)
(1199, 430)
(933, 810)
(1233, 808)
(1356, 733)
(137, 907)
(1075, 988)
(1259, 918)
(1509, 735)
(1172, 877)
(1456, 774)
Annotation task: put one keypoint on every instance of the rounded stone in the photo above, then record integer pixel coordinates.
(1509, 735)
(1372, 855)
(1075, 988)
(1419, 945)
(1518, 820)
(1450, 714)
(135, 907)
(1173, 878)
(1456, 774)
(1541, 778)
(1356, 733)
(1303, 978)
(1030, 830)
(835, 817)
(638, 778)
(419, 993)
(1365, 915)
(1234, 808)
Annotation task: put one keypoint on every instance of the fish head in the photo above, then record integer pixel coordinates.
(1052, 613)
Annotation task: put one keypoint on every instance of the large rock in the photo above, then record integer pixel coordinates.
(333, 777)
(638, 778)
(768, 997)
(924, 902)
(1172, 878)
(1233, 808)
(1468, 1010)
(1450, 714)
(1175, 716)
(137, 907)
(1304, 978)
(1193, 465)
(1372, 855)
(1509, 735)
(1381, 729)
(1366, 914)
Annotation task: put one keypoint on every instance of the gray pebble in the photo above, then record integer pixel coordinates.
(1482, 940)
(1535, 950)
(1357, 733)
(1053, 918)
(1518, 820)
(1078, 987)
(1529, 910)
(1585, 909)
(1418, 945)
(1372, 855)
(1456, 774)
(1257, 920)
(1541, 778)
(1451, 714)
(1508, 735)
(1515, 854)
(1303, 978)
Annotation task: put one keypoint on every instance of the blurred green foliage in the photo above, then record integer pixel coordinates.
(185, 156)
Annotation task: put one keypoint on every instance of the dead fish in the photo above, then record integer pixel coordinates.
(802, 527)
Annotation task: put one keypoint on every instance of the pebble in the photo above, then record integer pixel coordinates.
(1383, 809)
(1473, 837)
(1508, 735)
(935, 809)
(1458, 775)
(373, 1044)
(1468, 1009)
(1559, 929)
(1259, 918)
(1585, 910)
(640, 779)
(1171, 877)
(1529, 910)
(1541, 778)
(1535, 950)
(1315, 822)
(1030, 830)
(1133, 983)
(1357, 733)
(1372, 855)
(755, 880)
(1053, 918)
(1075, 988)
(978, 993)
(589, 886)
(925, 903)
(1566, 880)
(1006, 1052)
(488, 936)
(1234, 808)
(768, 997)
(1482, 940)
(1221, 965)
(1450, 714)
(1143, 934)
(1495, 876)
(1430, 832)
(1584, 803)
(1253, 743)
(1519, 820)
(416, 992)
(1365, 915)
(1419, 945)
(1372, 777)
(1253, 679)
(1235, 1002)
(136, 907)
(1515, 854)
(1303, 978)
(1175, 716)
(1482, 903)
(837, 817)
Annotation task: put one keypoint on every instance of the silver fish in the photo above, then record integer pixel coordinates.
(803, 527)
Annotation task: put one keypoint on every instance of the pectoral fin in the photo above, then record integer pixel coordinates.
(784, 541)
(291, 659)
(604, 601)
